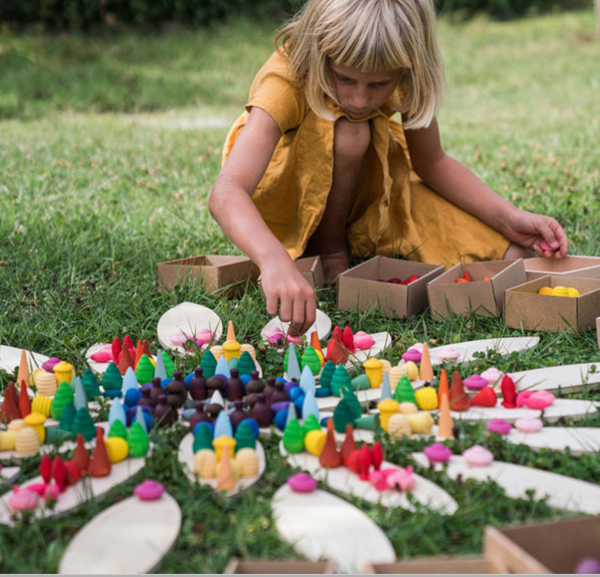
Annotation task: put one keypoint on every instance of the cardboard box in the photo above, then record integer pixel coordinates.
(258, 567)
(312, 270)
(598, 331)
(549, 547)
(433, 566)
(359, 286)
(485, 298)
(531, 311)
(217, 273)
(570, 265)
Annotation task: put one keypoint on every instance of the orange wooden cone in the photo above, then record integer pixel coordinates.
(24, 402)
(139, 351)
(443, 388)
(146, 349)
(23, 374)
(445, 421)
(314, 342)
(100, 464)
(425, 370)
(225, 478)
(125, 361)
(230, 332)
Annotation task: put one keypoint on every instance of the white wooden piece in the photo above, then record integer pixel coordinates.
(186, 457)
(346, 481)
(322, 526)
(130, 537)
(9, 475)
(322, 326)
(562, 492)
(188, 318)
(567, 378)
(10, 357)
(82, 491)
(580, 440)
(504, 346)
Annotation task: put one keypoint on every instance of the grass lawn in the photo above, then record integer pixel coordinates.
(108, 149)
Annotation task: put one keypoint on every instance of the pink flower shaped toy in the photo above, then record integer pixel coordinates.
(438, 453)
(475, 383)
(529, 425)
(363, 341)
(499, 426)
(149, 490)
(478, 456)
(302, 483)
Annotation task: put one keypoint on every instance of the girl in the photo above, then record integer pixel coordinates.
(317, 164)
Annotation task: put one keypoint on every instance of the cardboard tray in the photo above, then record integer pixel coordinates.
(542, 548)
(432, 566)
(217, 273)
(265, 567)
(485, 298)
(538, 267)
(312, 270)
(531, 311)
(359, 286)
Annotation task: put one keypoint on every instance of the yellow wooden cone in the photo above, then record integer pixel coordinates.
(225, 477)
(230, 332)
(445, 422)
(23, 374)
(425, 370)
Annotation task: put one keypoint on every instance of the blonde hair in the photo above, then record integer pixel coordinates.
(372, 36)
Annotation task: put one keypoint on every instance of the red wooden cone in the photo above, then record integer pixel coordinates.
(139, 351)
(81, 457)
(59, 474)
(348, 339)
(146, 349)
(46, 468)
(349, 445)
(354, 462)
(365, 461)
(24, 402)
(329, 456)
(377, 455)
(10, 407)
(509, 392)
(125, 361)
(336, 351)
(73, 472)
(459, 400)
(117, 347)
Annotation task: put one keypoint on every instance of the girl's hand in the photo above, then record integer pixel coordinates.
(530, 230)
(288, 291)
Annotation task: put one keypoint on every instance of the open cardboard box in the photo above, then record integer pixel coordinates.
(432, 566)
(598, 331)
(312, 270)
(258, 567)
(538, 267)
(531, 311)
(549, 547)
(217, 273)
(485, 298)
(359, 286)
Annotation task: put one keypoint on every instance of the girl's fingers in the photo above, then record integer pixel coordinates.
(285, 309)
(272, 303)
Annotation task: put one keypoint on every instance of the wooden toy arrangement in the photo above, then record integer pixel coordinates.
(326, 411)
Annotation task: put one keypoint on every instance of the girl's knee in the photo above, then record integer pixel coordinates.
(351, 140)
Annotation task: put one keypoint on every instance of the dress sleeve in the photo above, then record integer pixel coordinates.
(275, 92)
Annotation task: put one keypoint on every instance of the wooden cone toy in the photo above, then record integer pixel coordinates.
(230, 332)
(445, 422)
(100, 464)
(139, 351)
(59, 474)
(24, 402)
(225, 478)
(349, 445)
(146, 349)
(459, 400)
(336, 351)
(329, 456)
(315, 343)
(443, 388)
(116, 348)
(10, 407)
(81, 457)
(23, 374)
(425, 370)
(126, 361)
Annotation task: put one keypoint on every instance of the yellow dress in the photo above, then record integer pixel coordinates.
(394, 212)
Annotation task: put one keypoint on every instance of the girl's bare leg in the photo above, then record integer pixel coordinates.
(350, 154)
